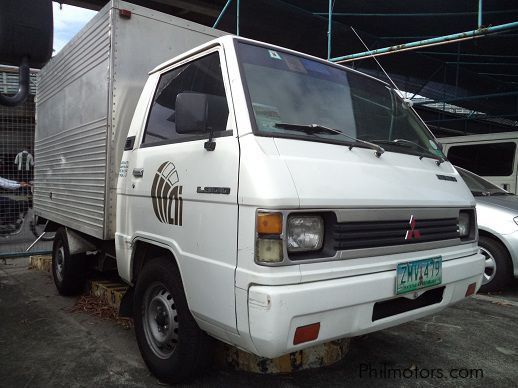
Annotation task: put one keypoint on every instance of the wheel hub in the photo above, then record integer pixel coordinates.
(160, 320)
(489, 266)
(60, 263)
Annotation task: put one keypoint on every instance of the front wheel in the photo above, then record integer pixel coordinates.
(498, 265)
(171, 343)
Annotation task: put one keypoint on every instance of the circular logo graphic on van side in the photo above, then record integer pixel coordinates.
(166, 195)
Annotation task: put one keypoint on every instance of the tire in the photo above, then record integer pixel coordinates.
(68, 271)
(498, 270)
(171, 343)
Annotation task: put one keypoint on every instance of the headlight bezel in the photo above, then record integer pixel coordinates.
(290, 257)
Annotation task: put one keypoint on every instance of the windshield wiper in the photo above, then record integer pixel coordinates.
(402, 142)
(317, 128)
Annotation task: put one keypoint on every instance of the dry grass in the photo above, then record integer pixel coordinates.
(95, 307)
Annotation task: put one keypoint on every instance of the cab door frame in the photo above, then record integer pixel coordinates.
(207, 256)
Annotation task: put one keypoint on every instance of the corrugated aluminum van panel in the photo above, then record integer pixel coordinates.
(86, 97)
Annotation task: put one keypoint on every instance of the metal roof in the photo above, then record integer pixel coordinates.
(478, 75)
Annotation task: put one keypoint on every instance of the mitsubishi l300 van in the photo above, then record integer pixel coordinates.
(298, 201)
(261, 196)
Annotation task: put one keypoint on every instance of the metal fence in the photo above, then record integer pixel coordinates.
(17, 229)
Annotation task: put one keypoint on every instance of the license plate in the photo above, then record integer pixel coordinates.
(418, 274)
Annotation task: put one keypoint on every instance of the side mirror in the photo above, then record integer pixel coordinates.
(191, 112)
(200, 113)
(26, 34)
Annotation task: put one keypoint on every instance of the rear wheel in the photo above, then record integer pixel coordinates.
(171, 343)
(498, 266)
(69, 271)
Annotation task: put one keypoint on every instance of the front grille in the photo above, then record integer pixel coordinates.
(371, 234)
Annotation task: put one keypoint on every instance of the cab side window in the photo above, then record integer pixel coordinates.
(202, 76)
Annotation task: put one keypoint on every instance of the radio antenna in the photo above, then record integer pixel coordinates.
(379, 64)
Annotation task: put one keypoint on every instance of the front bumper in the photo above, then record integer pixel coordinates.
(343, 307)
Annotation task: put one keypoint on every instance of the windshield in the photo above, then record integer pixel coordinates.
(291, 89)
(479, 186)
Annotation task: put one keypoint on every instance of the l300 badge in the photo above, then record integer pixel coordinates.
(213, 190)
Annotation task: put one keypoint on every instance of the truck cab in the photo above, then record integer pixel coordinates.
(283, 201)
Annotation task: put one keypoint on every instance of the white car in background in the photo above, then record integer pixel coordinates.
(497, 217)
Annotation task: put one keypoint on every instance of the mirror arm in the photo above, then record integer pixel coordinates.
(23, 89)
(210, 145)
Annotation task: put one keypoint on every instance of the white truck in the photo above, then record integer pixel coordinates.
(265, 197)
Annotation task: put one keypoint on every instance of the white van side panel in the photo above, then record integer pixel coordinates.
(509, 182)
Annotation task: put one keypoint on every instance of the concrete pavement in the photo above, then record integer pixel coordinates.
(43, 344)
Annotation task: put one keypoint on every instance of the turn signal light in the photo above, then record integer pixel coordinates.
(269, 223)
(306, 333)
(471, 289)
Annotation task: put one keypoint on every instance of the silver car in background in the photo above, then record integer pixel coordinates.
(497, 217)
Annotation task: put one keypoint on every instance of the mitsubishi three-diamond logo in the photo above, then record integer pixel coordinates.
(413, 233)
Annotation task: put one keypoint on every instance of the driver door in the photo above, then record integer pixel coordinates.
(167, 192)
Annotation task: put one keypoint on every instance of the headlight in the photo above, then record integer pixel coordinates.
(305, 233)
(464, 224)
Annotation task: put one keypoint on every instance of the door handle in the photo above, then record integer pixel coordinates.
(138, 172)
